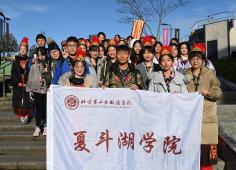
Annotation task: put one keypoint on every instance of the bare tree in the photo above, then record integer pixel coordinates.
(133, 9)
(148, 10)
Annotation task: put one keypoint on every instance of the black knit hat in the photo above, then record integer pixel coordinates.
(53, 46)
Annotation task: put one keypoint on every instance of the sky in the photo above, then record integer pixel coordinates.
(60, 19)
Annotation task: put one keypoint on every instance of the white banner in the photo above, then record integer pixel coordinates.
(122, 129)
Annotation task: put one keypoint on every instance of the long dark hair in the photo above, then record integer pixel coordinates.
(110, 46)
(149, 49)
(93, 48)
(188, 47)
(79, 61)
(173, 44)
(104, 49)
(102, 33)
(155, 45)
(136, 58)
(175, 39)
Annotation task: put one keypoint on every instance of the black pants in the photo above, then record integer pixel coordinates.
(40, 101)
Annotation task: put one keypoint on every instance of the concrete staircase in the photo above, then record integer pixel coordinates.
(6, 103)
(18, 148)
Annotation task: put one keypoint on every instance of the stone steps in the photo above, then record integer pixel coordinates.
(16, 127)
(30, 163)
(22, 147)
(26, 136)
(18, 148)
(16, 122)
(6, 109)
(6, 104)
(7, 119)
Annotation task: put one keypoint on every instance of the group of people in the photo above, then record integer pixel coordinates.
(99, 62)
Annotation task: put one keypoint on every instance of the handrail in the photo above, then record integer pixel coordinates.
(7, 64)
(4, 84)
(3, 63)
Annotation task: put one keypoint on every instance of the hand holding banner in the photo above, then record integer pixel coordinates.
(114, 129)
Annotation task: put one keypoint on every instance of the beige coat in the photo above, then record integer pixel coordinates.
(207, 81)
(88, 80)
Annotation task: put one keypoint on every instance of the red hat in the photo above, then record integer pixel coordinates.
(95, 41)
(199, 47)
(80, 55)
(147, 41)
(112, 42)
(24, 42)
(166, 50)
(82, 41)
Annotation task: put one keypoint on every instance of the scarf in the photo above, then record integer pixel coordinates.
(196, 80)
(168, 80)
(76, 81)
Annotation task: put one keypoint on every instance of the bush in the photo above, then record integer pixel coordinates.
(226, 68)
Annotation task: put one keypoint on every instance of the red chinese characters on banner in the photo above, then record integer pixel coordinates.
(149, 140)
(80, 144)
(170, 145)
(126, 140)
(104, 137)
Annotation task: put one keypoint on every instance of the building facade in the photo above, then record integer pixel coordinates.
(220, 38)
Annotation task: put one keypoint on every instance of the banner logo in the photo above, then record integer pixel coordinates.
(71, 102)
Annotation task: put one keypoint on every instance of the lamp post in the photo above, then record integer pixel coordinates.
(4, 21)
(1, 14)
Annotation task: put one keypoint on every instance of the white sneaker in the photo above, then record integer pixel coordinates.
(44, 131)
(22, 121)
(37, 132)
(26, 121)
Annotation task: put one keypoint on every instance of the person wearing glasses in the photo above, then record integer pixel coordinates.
(67, 63)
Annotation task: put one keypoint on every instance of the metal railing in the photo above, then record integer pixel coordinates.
(3, 66)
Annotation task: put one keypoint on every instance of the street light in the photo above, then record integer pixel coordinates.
(4, 21)
(1, 14)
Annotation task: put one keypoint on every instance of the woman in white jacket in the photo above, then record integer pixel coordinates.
(168, 80)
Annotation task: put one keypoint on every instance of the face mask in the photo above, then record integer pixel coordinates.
(184, 58)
